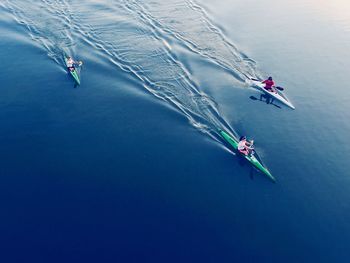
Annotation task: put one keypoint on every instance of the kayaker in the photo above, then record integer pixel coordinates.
(269, 84)
(244, 146)
(71, 64)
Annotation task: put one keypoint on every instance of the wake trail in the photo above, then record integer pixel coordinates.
(137, 48)
(132, 39)
(48, 24)
(188, 22)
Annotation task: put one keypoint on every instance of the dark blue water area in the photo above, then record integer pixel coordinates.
(107, 172)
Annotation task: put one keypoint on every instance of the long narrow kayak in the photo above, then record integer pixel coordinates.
(252, 159)
(276, 95)
(74, 73)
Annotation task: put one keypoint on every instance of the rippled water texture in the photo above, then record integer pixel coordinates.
(129, 166)
(135, 37)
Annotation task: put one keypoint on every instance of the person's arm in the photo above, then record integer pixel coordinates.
(249, 144)
(274, 87)
(78, 63)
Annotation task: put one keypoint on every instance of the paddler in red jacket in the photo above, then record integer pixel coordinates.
(269, 84)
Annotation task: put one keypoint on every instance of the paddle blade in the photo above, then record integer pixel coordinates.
(255, 79)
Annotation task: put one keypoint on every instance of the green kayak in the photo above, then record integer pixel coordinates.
(74, 73)
(252, 159)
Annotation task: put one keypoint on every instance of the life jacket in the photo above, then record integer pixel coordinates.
(269, 83)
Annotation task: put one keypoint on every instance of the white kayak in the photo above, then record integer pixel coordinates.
(278, 95)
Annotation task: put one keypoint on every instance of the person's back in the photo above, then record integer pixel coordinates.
(269, 83)
(70, 64)
(245, 147)
(241, 145)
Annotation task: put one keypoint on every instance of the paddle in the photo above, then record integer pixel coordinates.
(255, 79)
(80, 63)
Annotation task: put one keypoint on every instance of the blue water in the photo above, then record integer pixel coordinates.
(128, 167)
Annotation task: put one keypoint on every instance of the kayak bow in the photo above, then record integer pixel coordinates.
(252, 159)
(74, 73)
(278, 95)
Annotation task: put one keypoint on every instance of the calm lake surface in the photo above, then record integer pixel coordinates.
(128, 167)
